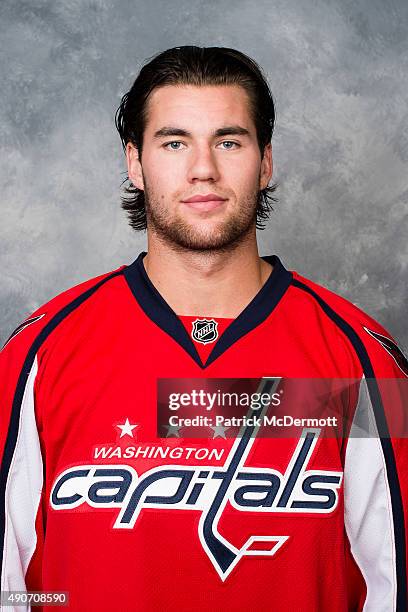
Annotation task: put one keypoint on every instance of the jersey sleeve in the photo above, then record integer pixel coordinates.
(22, 504)
(21, 524)
(376, 472)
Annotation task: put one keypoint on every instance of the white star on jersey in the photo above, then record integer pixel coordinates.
(172, 430)
(219, 431)
(127, 428)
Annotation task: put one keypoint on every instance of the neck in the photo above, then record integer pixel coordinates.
(209, 284)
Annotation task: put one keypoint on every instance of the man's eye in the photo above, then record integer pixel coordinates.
(230, 142)
(176, 142)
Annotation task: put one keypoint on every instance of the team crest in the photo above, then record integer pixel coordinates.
(391, 348)
(204, 330)
(22, 326)
(207, 490)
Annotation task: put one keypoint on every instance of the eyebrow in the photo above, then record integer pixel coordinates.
(228, 130)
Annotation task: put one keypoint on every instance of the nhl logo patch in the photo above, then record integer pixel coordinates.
(204, 330)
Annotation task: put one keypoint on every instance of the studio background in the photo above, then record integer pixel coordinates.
(338, 71)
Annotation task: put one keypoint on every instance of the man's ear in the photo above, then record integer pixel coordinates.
(266, 167)
(134, 166)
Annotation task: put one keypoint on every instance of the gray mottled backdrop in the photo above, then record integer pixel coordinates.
(338, 70)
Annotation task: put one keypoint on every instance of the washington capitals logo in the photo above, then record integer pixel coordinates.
(204, 330)
(391, 348)
(23, 326)
(208, 490)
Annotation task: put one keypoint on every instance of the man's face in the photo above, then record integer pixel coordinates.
(184, 156)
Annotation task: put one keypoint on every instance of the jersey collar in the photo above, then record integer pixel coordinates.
(159, 311)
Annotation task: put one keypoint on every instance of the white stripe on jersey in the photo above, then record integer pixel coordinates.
(368, 510)
(23, 493)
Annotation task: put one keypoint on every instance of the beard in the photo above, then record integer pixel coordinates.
(181, 234)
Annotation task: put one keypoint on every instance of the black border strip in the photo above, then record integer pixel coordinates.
(156, 308)
(160, 312)
(375, 396)
(258, 310)
(12, 433)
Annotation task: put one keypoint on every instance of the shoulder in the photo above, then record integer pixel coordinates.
(37, 325)
(372, 342)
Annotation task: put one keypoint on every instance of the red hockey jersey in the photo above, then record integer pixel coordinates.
(94, 503)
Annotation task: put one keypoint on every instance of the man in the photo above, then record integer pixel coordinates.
(99, 504)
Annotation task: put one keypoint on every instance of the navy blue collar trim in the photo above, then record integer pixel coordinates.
(159, 311)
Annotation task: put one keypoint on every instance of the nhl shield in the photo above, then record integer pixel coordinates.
(204, 330)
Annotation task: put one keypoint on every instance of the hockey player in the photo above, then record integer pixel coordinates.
(97, 503)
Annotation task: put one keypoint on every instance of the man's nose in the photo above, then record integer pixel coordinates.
(203, 165)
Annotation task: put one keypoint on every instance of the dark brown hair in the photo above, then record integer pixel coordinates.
(190, 65)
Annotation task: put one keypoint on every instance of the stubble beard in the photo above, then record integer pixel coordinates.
(182, 235)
